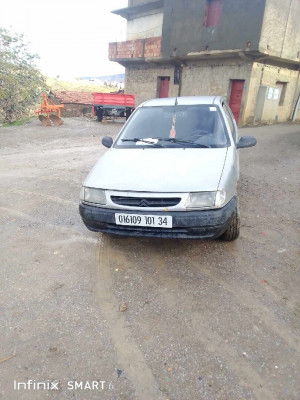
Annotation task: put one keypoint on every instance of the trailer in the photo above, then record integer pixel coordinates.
(113, 105)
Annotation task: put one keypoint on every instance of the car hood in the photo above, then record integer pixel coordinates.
(158, 170)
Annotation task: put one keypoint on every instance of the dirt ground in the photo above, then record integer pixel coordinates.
(206, 320)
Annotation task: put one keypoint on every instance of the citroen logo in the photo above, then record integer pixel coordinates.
(144, 203)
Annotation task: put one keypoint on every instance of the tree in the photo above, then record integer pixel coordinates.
(21, 83)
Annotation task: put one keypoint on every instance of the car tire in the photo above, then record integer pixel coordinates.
(128, 113)
(99, 115)
(233, 230)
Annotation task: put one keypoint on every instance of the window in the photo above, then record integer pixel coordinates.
(282, 86)
(213, 13)
(200, 124)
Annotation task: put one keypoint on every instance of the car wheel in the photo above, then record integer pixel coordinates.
(233, 230)
(99, 115)
(128, 113)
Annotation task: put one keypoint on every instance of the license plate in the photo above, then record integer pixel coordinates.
(155, 221)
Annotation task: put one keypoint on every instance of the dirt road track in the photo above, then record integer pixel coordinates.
(205, 320)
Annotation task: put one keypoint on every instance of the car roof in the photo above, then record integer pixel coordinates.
(184, 100)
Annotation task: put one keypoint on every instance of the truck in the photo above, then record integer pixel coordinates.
(113, 105)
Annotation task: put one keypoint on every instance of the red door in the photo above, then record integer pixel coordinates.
(213, 13)
(236, 98)
(164, 83)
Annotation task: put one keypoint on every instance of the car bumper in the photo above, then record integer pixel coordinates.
(204, 224)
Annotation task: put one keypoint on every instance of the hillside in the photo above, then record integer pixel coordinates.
(77, 85)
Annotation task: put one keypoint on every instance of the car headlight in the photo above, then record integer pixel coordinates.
(220, 198)
(92, 195)
(206, 199)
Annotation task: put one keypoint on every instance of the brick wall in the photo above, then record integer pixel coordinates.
(140, 48)
(152, 47)
(128, 49)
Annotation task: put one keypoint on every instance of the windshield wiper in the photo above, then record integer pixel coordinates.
(142, 140)
(174, 140)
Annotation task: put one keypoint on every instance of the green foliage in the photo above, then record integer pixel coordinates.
(21, 83)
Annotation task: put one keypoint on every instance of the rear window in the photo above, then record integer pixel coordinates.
(198, 124)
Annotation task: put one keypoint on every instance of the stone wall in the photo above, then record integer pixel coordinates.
(77, 110)
(205, 78)
(199, 78)
(142, 81)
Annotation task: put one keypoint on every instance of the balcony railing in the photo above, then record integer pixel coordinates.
(135, 49)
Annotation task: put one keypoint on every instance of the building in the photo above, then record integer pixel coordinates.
(246, 51)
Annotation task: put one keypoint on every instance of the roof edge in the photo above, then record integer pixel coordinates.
(130, 12)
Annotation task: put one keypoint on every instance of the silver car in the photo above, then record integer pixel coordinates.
(172, 172)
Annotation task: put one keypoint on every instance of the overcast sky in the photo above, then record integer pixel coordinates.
(70, 36)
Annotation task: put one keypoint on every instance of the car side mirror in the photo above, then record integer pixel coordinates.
(107, 141)
(246, 141)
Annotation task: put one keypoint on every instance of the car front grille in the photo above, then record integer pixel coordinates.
(146, 201)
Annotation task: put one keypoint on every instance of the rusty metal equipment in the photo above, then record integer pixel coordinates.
(48, 107)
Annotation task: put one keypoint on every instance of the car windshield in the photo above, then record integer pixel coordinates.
(175, 126)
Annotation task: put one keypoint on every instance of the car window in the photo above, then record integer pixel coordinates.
(230, 121)
(199, 124)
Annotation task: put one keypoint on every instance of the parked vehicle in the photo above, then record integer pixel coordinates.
(172, 172)
(113, 105)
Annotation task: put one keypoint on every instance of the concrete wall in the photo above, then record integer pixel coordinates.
(269, 75)
(281, 30)
(183, 27)
(272, 27)
(297, 94)
(138, 2)
(298, 115)
(142, 81)
(145, 26)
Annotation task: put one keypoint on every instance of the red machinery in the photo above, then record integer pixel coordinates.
(113, 105)
(48, 107)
